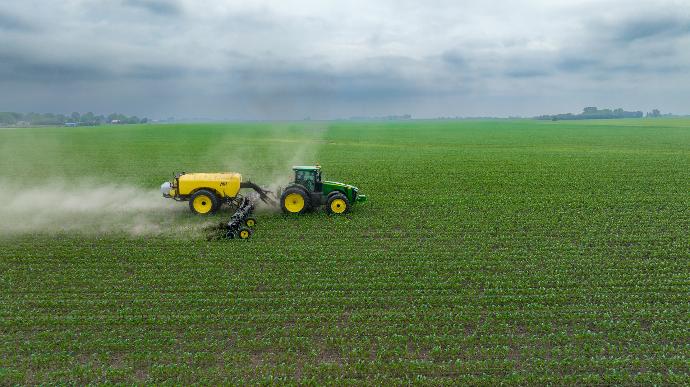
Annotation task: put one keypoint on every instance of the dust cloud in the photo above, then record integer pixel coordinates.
(85, 208)
(90, 207)
(279, 149)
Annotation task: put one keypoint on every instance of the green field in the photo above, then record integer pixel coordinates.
(489, 251)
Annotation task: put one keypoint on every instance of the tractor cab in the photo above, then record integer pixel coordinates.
(309, 177)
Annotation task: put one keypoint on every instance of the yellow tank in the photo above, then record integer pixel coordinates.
(207, 192)
(222, 184)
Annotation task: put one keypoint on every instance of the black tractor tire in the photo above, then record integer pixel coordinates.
(293, 206)
(333, 193)
(338, 204)
(199, 196)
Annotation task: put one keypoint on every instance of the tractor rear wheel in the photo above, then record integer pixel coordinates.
(295, 200)
(203, 202)
(338, 204)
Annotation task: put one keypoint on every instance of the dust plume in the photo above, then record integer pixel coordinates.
(262, 153)
(273, 151)
(85, 208)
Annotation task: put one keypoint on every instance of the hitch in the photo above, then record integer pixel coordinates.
(263, 194)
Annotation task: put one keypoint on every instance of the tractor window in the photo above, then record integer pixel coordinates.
(309, 182)
(307, 179)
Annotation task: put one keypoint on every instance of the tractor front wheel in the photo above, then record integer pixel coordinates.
(294, 200)
(338, 204)
(203, 202)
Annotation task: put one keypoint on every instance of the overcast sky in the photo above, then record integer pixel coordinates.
(329, 59)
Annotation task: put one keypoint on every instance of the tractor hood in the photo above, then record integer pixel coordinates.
(338, 184)
(346, 187)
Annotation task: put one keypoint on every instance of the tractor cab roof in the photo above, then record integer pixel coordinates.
(306, 167)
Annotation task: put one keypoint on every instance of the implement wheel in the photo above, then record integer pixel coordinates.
(338, 204)
(295, 200)
(250, 222)
(203, 202)
(244, 233)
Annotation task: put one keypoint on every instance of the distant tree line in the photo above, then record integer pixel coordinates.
(402, 117)
(591, 113)
(74, 119)
(655, 113)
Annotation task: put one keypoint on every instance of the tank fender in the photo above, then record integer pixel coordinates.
(219, 195)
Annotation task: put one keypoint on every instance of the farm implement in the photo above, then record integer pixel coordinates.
(208, 192)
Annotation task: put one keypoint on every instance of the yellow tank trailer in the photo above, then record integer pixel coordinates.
(206, 192)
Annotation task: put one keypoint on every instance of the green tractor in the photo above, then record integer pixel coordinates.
(308, 191)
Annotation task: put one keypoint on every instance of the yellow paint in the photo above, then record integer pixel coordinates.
(225, 184)
(338, 206)
(294, 202)
(202, 204)
(244, 234)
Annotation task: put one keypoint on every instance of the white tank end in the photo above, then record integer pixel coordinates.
(165, 188)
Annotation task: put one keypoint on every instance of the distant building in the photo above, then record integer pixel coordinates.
(115, 122)
(70, 124)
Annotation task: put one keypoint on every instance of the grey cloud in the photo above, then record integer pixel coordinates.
(158, 7)
(601, 67)
(298, 81)
(156, 72)
(576, 64)
(638, 44)
(16, 69)
(640, 68)
(454, 59)
(527, 72)
(276, 60)
(13, 23)
(651, 27)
